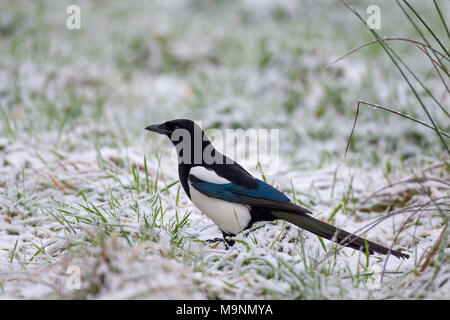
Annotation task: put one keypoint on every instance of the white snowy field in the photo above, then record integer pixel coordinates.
(87, 194)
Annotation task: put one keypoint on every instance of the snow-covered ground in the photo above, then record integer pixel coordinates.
(86, 193)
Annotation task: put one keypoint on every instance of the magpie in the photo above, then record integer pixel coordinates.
(233, 199)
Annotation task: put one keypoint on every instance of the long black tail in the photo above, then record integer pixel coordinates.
(337, 235)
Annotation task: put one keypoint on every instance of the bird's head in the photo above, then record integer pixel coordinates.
(175, 128)
(188, 138)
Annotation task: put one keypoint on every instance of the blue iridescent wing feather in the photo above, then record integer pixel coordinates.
(235, 193)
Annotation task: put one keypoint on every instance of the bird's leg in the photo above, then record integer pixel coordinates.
(214, 240)
(227, 240)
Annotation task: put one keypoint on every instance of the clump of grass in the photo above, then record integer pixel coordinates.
(423, 207)
(402, 67)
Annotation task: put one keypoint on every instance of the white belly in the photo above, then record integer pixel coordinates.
(230, 217)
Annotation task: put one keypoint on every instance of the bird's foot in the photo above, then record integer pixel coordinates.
(227, 241)
(214, 240)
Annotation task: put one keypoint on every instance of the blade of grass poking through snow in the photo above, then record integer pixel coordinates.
(13, 253)
(155, 187)
(322, 243)
(367, 253)
(258, 166)
(278, 237)
(94, 211)
(335, 211)
(7, 124)
(61, 213)
(39, 251)
(293, 191)
(391, 54)
(334, 181)
(243, 242)
(135, 172)
(298, 201)
(389, 110)
(147, 180)
(177, 199)
(166, 189)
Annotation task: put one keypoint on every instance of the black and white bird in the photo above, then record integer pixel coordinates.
(233, 199)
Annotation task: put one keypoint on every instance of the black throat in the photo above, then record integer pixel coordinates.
(193, 149)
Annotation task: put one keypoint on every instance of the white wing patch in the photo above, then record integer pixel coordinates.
(207, 175)
(230, 217)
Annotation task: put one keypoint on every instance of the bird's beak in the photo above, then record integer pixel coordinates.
(158, 128)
